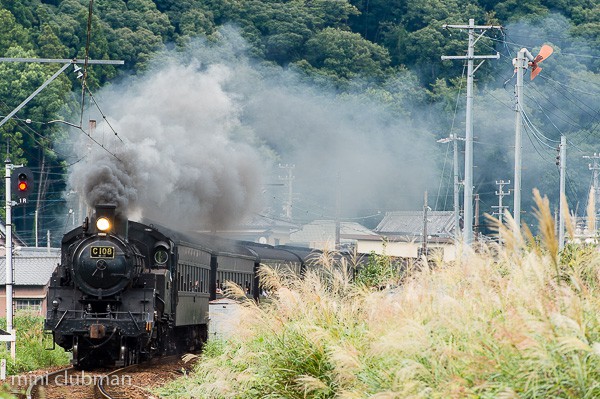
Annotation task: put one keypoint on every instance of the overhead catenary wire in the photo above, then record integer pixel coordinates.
(103, 115)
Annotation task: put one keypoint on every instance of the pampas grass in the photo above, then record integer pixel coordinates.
(519, 321)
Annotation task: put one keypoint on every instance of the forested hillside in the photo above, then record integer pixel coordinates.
(386, 52)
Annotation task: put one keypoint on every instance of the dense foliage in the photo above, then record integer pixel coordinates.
(356, 46)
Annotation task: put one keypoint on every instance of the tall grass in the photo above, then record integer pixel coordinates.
(519, 321)
(31, 353)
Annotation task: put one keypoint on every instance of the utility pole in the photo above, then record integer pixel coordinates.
(424, 240)
(338, 213)
(9, 264)
(594, 168)
(476, 226)
(455, 140)
(287, 207)
(521, 63)
(563, 198)
(501, 194)
(468, 193)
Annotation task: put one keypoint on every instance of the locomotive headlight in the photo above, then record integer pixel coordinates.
(103, 224)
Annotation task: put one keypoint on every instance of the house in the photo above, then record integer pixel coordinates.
(400, 234)
(33, 268)
(260, 229)
(321, 234)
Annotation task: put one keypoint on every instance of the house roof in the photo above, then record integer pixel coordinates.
(258, 224)
(15, 237)
(32, 266)
(410, 223)
(324, 231)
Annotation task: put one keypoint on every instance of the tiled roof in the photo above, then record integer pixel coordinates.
(410, 223)
(324, 231)
(32, 266)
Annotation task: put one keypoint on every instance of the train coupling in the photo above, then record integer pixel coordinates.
(97, 331)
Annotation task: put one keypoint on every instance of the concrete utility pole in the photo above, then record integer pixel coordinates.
(476, 226)
(563, 210)
(501, 195)
(287, 207)
(455, 140)
(424, 240)
(9, 266)
(594, 168)
(521, 63)
(468, 193)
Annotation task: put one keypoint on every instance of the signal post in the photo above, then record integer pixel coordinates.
(22, 182)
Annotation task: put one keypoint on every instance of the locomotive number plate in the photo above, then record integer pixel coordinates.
(97, 252)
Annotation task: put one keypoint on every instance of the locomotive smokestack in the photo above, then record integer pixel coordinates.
(107, 220)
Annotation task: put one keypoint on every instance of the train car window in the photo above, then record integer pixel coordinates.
(181, 279)
(185, 277)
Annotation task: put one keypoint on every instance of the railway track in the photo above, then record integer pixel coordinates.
(37, 384)
(131, 382)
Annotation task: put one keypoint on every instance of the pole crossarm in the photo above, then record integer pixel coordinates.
(466, 57)
(485, 27)
(63, 60)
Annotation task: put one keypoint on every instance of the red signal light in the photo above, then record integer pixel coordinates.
(22, 182)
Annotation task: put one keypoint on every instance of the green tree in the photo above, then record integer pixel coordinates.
(345, 55)
(11, 33)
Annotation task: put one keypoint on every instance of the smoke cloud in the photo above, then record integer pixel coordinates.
(177, 161)
(205, 131)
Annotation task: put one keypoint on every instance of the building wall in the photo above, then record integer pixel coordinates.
(404, 249)
(20, 295)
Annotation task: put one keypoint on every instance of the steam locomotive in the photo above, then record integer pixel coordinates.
(127, 291)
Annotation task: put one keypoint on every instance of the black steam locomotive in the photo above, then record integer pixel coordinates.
(126, 291)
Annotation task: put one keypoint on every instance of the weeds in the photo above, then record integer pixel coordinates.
(513, 321)
(31, 353)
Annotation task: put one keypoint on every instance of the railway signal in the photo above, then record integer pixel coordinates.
(22, 182)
